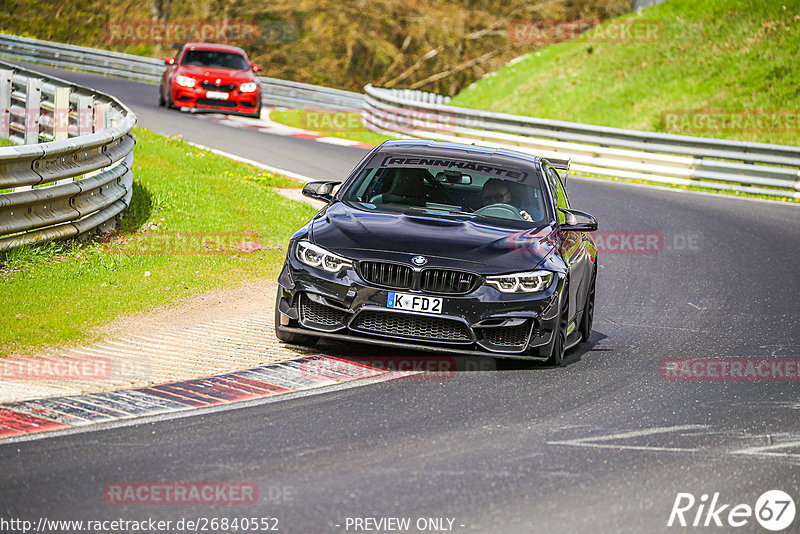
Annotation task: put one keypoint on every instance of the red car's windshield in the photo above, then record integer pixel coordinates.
(214, 58)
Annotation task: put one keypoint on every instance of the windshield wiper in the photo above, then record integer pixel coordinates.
(440, 210)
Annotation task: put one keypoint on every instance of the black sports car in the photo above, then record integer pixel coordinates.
(443, 247)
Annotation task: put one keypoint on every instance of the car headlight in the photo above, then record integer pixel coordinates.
(315, 256)
(248, 87)
(185, 81)
(528, 282)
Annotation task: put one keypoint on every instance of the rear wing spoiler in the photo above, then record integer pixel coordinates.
(562, 166)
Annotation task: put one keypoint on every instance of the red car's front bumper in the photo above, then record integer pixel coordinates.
(197, 97)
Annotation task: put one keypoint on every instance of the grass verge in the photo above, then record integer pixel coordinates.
(197, 221)
(737, 57)
(332, 123)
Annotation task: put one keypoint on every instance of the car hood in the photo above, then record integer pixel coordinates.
(473, 245)
(209, 73)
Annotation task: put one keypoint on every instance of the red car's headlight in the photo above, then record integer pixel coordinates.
(185, 81)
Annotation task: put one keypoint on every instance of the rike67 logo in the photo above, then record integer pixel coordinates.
(774, 510)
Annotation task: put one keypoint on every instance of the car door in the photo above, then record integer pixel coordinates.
(571, 247)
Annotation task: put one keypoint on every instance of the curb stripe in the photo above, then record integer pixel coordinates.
(39, 410)
(178, 390)
(14, 423)
(267, 389)
(174, 397)
(289, 376)
(275, 128)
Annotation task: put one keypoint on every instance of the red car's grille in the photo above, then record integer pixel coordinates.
(225, 87)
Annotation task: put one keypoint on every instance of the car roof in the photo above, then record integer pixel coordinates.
(214, 46)
(420, 147)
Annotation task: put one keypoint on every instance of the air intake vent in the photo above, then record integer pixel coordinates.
(319, 316)
(411, 326)
(508, 336)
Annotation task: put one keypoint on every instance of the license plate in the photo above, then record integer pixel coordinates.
(418, 303)
(217, 95)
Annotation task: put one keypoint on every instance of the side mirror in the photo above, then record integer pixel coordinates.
(320, 190)
(577, 221)
(257, 68)
(170, 61)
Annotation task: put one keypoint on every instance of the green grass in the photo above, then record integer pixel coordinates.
(191, 226)
(733, 55)
(343, 124)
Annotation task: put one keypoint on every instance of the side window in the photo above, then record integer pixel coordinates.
(365, 189)
(558, 191)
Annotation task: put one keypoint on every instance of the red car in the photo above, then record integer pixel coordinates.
(211, 77)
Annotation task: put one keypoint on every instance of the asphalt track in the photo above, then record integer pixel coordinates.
(604, 444)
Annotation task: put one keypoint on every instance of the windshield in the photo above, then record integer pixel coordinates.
(214, 58)
(448, 192)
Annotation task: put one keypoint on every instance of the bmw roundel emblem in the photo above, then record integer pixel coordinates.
(419, 261)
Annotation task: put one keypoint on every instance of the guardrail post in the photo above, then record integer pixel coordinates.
(33, 110)
(61, 120)
(61, 113)
(100, 116)
(112, 119)
(5, 103)
(84, 117)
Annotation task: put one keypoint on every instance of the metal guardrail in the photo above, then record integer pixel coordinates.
(73, 173)
(140, 68)
(676, 159)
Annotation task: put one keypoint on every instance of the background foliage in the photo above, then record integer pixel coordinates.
(435, 45)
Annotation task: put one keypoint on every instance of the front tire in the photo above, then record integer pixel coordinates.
(588, 311)
(557, 354)
(290, 337)
(560, 342)
(161, 101)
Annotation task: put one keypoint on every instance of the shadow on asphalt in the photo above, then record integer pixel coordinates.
(393, 359)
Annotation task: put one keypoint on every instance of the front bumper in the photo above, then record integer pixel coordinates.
(345, 307)
(197, 98)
